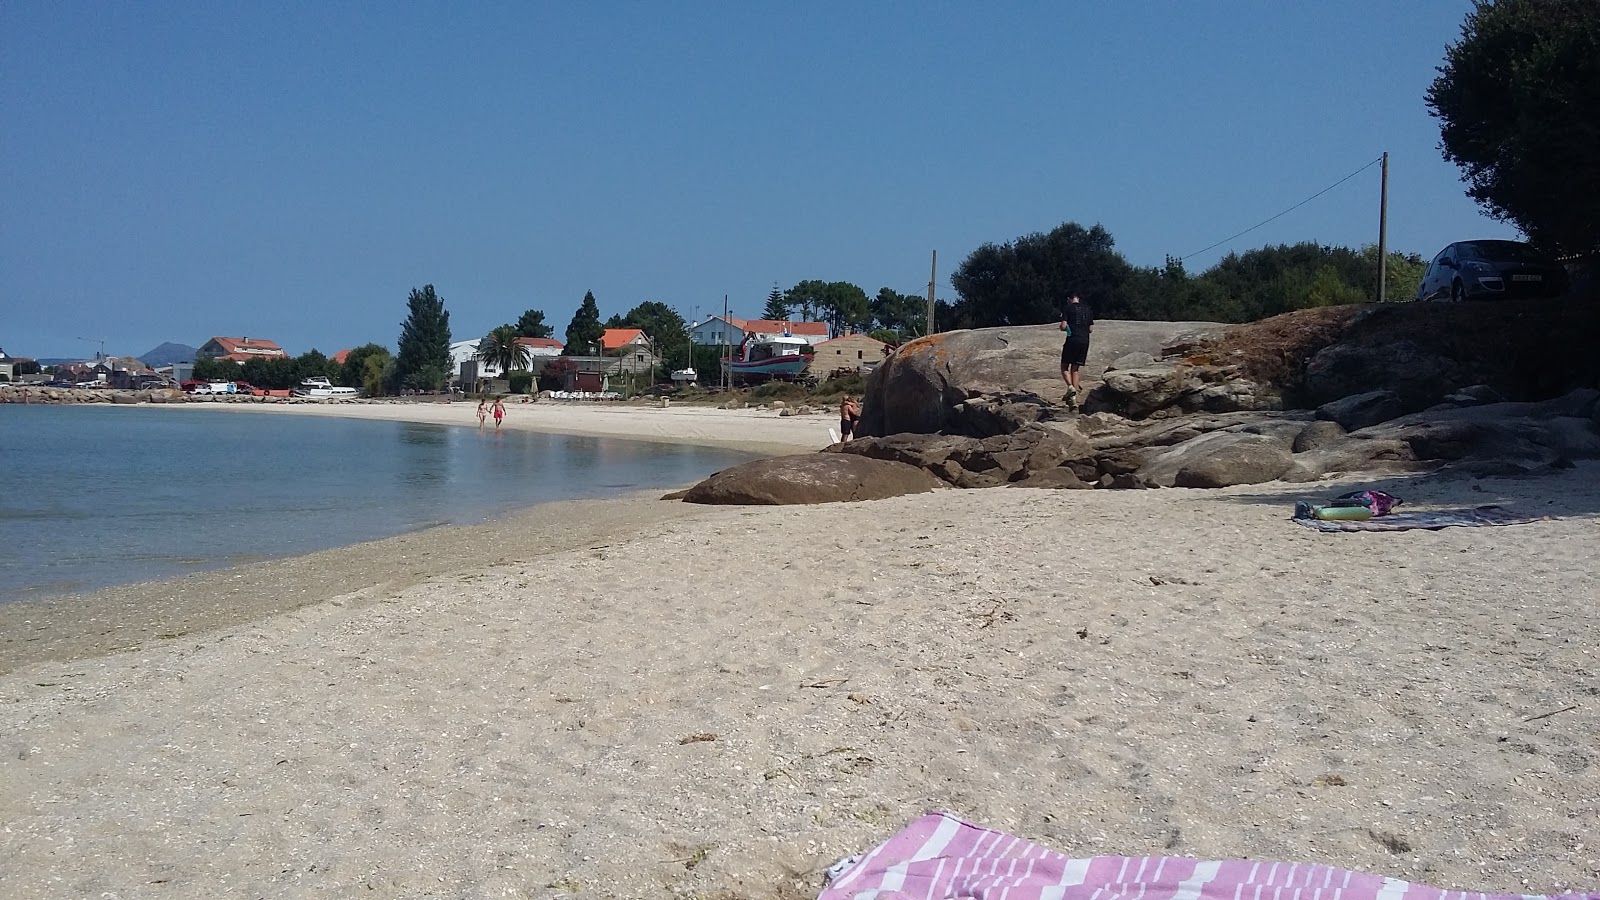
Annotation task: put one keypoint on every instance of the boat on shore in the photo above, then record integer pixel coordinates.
(319, 388)
(764, 356)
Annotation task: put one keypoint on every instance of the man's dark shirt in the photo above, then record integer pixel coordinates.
(1079, 317)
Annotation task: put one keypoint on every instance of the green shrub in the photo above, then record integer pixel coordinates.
(844, 384)
(778, 390)
(519, 381)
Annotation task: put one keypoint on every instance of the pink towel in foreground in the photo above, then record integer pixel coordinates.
(940, 857)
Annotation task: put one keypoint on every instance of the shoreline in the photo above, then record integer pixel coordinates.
(763, 432)
(629, 684)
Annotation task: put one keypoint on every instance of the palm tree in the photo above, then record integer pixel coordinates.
(501, 349)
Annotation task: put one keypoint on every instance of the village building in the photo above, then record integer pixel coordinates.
(240, 350)
(732, 331)
(847, 353)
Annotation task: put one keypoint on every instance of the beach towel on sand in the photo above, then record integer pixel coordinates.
(1442, 518)
(940, 857)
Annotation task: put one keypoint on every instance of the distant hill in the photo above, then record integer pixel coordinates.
(167, 354)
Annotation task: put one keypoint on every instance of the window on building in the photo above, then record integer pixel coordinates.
(858, 354)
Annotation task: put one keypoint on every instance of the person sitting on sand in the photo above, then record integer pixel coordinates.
(499, 412)
(849, 417)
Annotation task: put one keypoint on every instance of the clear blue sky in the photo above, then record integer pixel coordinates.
(291, 170)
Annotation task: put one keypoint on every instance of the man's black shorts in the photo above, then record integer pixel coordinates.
(1074, 353)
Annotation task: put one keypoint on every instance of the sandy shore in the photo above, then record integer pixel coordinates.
(717, 702)
(751, 430)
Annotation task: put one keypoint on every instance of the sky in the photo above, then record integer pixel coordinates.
(290, 171)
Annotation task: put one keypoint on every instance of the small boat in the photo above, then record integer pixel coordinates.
(684, 376)
(319, 388)
(763, 356)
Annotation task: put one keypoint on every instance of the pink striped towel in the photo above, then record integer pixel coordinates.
(940, 857)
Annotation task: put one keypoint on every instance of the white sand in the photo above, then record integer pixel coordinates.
(755, 430)
(1107, 672)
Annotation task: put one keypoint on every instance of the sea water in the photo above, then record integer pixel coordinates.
(97, 496)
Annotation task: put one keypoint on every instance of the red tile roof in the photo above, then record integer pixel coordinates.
(540, 342)
(341, 356)
(243, 348)
(773, 326)
(619, 337)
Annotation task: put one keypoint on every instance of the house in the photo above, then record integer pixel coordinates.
(630, 348)
(857, 352)
(240, 350)
(732, 331)
(340, 357)
(468, 369)
(620, 340)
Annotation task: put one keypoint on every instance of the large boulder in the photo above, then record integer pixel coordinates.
(1361, 410)
(971, 462)
(1176, 389)
(920, 386)
(1416, 375)
(1218, 459)
(811, 478)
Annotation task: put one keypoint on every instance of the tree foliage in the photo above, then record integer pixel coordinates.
(500, 348)
(1516, 100)
(423, 362)
(904, 314)
(531, 324)
(354, 371)
(1025, 281)
(584, 331)
(777, 308)
(666, 329)
(839, 303)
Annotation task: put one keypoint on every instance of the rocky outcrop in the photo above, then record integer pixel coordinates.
(811, 478)
(927, 386)
(1175, 389)
(1416, 376)
(969, 462)
(1361, 410)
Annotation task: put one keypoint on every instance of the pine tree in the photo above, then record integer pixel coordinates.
(532, 325)
(777, 309)
(424, 359)
(583, 333)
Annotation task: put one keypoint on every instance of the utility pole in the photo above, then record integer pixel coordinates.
(933, 269)
(727, 370)
(1383, 232)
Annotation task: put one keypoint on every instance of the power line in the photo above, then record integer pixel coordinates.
(1290, 209)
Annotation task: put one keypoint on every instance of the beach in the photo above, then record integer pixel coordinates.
(644, 698)
(765, 431)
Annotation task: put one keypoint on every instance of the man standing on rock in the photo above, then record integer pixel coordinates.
(1077, 322)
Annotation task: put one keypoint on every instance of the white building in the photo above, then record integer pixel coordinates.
(540, 350)
(732, 331)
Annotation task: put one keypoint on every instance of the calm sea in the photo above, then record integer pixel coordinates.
(91, 497)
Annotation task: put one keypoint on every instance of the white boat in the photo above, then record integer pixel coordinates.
(684, 376)
(763, 356)
(319, 388)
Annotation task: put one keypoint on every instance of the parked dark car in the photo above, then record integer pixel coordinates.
(1491, 270)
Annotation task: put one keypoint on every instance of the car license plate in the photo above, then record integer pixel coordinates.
(1527, 278)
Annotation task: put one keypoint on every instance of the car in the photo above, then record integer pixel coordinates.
(1491, 270)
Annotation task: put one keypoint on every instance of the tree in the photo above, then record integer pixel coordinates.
(531, 324)
(839, 303)
(314, 364)
(584, 331)
(208, 369)
(776, 309)
(1516, 100)
(665, 328)
(354, 372)
(500, 348)
(904, 314)
(615, 321)
(423, 362)
(27, 367)
(1027, 281)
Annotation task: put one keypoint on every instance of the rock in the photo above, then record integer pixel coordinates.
(1316, 436)
(1359, 411)
(1125, 482)
(1417, 376)
(968, 462)
(1474, 395)
(1246, 460)
(1131, 361)
(1120, 461)
(1057, 479)
(1138, 393)
(124, 398)
(811, 478)
(925, 451)
(919, 386)
(676, 495)
(778, 404)
(1218, 459)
